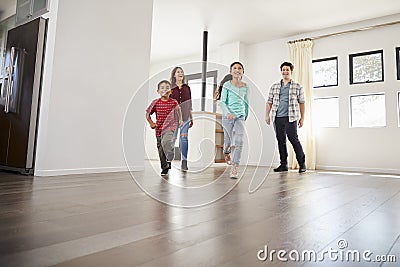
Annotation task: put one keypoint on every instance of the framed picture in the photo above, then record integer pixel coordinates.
(398, 62)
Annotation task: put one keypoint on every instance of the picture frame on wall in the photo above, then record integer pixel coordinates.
(398, 62)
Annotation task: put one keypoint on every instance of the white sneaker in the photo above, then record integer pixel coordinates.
(234, 171)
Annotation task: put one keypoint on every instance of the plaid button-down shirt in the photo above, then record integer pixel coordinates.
(296, 97)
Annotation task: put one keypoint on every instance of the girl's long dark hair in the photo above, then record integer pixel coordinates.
(217, 94)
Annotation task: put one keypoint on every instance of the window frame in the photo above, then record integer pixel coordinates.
(352, 56)
(195, 76)
(398, 62)
(337, 71)
(338, 110)
(351, 111)
(398, 108)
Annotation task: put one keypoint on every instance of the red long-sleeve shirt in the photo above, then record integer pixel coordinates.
(166, 117)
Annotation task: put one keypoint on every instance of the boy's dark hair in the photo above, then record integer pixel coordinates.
(237, 62)
(217, 95)
(163, 81)
(288, 64)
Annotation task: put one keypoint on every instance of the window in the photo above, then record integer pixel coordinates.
(398, 62)
(325, 72)
(368, 110)
(366, 67)
(326, 112)
(200, 102)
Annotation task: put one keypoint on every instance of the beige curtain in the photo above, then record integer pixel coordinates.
(301, 57)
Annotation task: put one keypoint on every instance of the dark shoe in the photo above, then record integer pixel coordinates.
(164, 172)
(302, 168)
(184, 166)
(281, 168)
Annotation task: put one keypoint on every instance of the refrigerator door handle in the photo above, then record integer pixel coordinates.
(5, 89)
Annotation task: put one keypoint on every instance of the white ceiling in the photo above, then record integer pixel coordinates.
(7, 8)
(178, 25)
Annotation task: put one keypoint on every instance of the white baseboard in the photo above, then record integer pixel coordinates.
(358, 169)
(141, 168)
(87, 170)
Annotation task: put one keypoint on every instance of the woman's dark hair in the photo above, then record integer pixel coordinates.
(217, 94)
(237, 62)
(288, 64)
(173, 79)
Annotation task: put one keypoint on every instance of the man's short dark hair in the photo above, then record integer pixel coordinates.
(290, 65)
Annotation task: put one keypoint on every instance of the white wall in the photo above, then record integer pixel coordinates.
(97, 58)
(263, 62)
(367, 149)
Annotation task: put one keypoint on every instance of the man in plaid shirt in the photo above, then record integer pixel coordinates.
(285, 105)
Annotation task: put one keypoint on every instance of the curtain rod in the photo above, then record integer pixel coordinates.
(344, 32)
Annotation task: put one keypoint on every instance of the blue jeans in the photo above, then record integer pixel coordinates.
(183, 138)
(236, 124)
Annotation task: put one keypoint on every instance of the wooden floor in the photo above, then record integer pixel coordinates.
(108, 220)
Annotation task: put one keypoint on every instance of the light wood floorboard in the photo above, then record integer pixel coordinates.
(108, 220)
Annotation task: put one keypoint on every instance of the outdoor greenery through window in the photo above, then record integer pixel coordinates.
(368, 110)
(325, 72)
(366, 67)
(326, 112)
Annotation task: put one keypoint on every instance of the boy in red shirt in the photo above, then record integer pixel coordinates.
(167, 113)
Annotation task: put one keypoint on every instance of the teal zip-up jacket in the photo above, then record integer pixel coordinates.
(234, 100)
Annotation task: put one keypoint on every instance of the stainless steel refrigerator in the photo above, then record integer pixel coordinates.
(20, 96)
